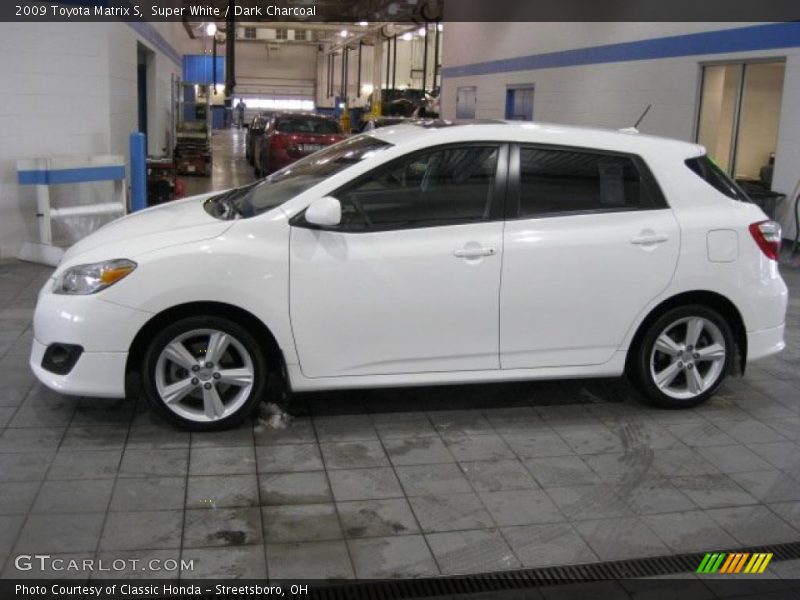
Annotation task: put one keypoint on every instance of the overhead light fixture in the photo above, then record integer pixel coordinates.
(407, 36)
(363, 23)
(422, 31)
(440, 27)
(211, 29)
(343, 33)
(367, 89)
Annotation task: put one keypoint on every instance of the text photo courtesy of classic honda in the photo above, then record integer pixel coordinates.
(418, 254)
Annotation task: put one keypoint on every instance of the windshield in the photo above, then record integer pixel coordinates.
(255, 199)
(310, 125)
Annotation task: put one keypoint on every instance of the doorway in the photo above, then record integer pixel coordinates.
(519, 103)
(145, 65)
(740, 106)
(466, 100)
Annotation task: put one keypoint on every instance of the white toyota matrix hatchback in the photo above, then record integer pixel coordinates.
(425, 254)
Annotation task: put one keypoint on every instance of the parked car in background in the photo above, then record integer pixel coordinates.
(291, 136)
(378, 122)
(424, 254)
(254, 133)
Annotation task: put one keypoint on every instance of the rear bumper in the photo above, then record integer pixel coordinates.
(765, 342)
(97, 374)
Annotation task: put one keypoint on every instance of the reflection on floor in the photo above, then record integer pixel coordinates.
(396, 483)
(228, 166)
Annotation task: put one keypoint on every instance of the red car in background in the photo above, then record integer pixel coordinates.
(291, 136)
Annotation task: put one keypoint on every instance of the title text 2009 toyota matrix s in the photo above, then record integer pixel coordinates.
(425, 254)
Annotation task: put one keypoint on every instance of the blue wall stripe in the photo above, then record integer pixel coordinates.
(80, 175)
(756, 37)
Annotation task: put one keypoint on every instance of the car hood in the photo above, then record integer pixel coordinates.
(169, 224)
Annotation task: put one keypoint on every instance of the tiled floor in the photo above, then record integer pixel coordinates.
(395, 483)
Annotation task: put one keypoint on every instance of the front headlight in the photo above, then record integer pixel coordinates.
(87, 279)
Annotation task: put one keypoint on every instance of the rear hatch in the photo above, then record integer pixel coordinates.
(303, 135)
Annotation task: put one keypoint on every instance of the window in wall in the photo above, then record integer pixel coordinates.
(249, 33)
(281, 34)
(519, 103)
(565, 181)
(740, 106)
(466, 100)
(441, 187)
(300, 35)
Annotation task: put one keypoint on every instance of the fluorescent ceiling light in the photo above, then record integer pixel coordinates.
(211, 29)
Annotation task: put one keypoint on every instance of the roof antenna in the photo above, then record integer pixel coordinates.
(635, 128)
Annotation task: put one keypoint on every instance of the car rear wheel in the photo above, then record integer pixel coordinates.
(683, 357)
(204, 373)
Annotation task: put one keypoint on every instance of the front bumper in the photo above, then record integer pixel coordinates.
(765, 342)
(105, 332)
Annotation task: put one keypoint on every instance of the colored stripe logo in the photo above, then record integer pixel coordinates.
(734, 562)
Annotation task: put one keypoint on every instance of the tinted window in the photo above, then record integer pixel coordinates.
(445, 186)
(568, 181)
(308, 125)
(705, 168)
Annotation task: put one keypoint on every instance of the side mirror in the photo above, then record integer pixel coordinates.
(324, 212)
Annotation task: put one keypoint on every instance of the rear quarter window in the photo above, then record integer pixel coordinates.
(704, 167)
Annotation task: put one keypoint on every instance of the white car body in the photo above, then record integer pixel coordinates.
(542, 298)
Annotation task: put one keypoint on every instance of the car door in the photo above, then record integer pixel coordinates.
(589, 242)
(409, 281)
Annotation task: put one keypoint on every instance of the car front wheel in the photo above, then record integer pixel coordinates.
(204, 373)
(683, 357)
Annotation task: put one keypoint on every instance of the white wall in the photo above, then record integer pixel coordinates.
(612, 94)
(71, 89)
(276, 69)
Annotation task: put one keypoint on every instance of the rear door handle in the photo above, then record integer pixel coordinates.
(474, 252)
(647, 240)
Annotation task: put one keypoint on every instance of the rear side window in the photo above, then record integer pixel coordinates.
(310, 125)
(705, 168)
(555, 181)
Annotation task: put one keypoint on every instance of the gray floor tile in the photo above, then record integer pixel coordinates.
(222, 461)
(377, 518)
(561, 471)
(642, 435)
(622, 468)
(733, 459)
(13, 395)
(537, 443)
(769, 486)
(407, 428)
(16, 497)
(24, 467)
(241, 436)
(94, 438)
(309, 560)
(417, 451)
(345, 428)
(44, 534)
(497, 476)
(583, 502)
(653, 495)
(301, 523)
(294, 488)
(521, 507)
(750, 432)
(84, 464)
(57, 414)
(287, 458)
(617, 539)
(450, 512)
(681, 463)
(103, 412)
(593, 439)
(789, 512)
(548, 545)
(149, 493)
(142, 530)
(713, 491)
(299, 431)
(364, 484)
(754, 525)
(9, 528)
(419, 480)
(476, 551)
(392, 557)
(690, 531)
(77, 495)
(700, 434)
(222, 527)
(157, 438)
(781, 455)
(479, 447)
(240, 562)
(155, 463)
(354, 455)
(222, 491)
(453, 423)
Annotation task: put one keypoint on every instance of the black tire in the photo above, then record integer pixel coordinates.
(639, 360)
(247, 402)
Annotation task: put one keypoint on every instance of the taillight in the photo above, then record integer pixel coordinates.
(767, 235)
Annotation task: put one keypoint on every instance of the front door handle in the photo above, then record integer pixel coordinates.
(649, 239)
(474, 252)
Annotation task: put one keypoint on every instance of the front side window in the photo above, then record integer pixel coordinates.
(555, 181)
(446, 186)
